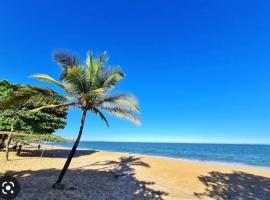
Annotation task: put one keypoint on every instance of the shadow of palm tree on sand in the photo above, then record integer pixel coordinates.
(235, 186)
(116, 182)
(122, 167)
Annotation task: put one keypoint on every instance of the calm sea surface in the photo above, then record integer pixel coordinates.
(255, 155)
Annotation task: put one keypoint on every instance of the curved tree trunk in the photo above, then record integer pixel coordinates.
(9, 141)
(58, 184)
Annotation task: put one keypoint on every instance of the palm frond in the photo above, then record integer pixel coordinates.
(102, 116)
(47, 78)
(76, 80)
(52, 106)
(122, 100)
(122, 113)
(100, 63)
(112, 77)
(90, 64)
(66, 60)
(95, 67)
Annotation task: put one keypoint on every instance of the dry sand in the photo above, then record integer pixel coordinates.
(106, 175)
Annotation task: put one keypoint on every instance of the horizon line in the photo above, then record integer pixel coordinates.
(158, 142)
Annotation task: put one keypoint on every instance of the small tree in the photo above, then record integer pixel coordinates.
(17, 116)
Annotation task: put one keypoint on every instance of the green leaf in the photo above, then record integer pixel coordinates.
(47, 78)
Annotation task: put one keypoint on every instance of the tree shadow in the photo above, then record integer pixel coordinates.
(235, 186)
(53, 153)
(85, 184)
(122, 167)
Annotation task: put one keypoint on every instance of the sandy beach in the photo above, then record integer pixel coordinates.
(107, 175)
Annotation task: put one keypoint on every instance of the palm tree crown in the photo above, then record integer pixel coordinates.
(89, 86)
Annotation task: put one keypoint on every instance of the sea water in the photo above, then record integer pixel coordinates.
(253, 155)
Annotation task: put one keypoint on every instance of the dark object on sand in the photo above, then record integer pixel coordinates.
(3, 137)
(19, 149)
(14, 147)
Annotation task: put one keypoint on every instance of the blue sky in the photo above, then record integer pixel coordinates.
(200, 68)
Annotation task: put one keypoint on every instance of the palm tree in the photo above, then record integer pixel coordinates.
(87, 86)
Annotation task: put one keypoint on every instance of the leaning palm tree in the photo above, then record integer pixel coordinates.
(89, 87)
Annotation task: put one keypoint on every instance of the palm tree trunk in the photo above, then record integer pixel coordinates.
(58, 185)
(9, 141)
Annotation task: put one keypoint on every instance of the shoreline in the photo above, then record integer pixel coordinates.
(222, 163)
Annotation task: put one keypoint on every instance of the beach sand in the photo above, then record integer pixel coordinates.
(106, 175)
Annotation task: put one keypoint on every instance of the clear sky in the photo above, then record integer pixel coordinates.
(200, 68)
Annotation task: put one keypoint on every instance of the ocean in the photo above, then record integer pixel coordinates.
(243, 154)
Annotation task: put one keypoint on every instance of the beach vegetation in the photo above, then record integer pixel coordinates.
(16, 116)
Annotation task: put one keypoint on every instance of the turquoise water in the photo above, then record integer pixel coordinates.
(255, 155)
